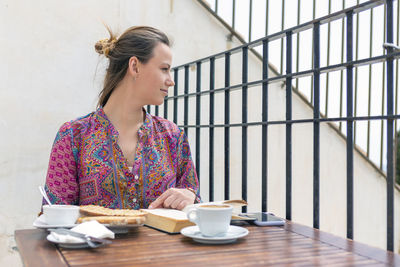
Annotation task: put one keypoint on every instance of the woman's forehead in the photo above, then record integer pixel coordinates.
(162, 54)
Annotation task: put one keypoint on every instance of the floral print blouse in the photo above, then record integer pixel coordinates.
(87, 165)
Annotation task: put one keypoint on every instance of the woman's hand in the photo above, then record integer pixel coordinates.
(174, 198)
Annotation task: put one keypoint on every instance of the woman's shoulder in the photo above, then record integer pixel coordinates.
(76, 125)
(165, 126)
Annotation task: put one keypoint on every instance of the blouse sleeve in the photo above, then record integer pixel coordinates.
(61, 181)
(187, 176)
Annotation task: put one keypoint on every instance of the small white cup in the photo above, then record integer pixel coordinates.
(60, 214)
(212, 219)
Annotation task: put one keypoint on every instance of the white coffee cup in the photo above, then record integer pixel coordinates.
(212, 219)
(60, 214)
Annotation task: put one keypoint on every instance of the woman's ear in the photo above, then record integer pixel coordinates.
(133, 67)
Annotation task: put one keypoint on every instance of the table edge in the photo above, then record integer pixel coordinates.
(58, 260)
(346, 244)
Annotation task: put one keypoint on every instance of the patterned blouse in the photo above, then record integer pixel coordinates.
(87, 165)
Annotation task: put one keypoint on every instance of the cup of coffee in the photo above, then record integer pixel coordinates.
(212, 219)
(60, 214)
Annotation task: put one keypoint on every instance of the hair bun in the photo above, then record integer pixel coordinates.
(105, 46)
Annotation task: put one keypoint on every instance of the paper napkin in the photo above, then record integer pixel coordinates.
(92, 228)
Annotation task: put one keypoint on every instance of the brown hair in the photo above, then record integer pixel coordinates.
(136, 41)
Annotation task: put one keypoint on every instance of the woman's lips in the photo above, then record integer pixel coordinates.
(165, 91)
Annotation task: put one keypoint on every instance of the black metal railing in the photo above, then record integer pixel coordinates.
(272, 15)
(315, 72)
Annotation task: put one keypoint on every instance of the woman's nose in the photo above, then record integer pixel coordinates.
(170, 82)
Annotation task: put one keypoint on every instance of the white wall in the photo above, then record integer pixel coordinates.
(50, 73)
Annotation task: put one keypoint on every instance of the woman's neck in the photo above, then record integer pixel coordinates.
(123, 111)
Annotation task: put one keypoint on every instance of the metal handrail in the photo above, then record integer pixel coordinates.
(326, 19)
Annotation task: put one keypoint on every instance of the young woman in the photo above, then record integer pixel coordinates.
(120, 156)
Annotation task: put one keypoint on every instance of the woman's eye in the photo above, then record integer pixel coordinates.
(164, 69)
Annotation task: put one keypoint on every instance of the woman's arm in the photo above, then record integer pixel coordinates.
(61, 180)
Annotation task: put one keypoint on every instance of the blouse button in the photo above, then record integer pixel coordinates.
(136, 177)
(134, 200)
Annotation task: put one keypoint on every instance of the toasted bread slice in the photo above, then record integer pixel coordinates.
(114, 220)
(94, 210)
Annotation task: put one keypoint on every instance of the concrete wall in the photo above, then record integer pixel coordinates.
(50, 73)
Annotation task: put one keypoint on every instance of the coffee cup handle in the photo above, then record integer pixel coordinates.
(192, 215)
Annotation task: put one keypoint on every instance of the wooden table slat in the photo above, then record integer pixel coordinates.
(387, 257)
(35, 252)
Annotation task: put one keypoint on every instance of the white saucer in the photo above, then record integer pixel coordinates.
(234, 232)
(40, 222)
(81, 244)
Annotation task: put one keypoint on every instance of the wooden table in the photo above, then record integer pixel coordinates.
(291, 245)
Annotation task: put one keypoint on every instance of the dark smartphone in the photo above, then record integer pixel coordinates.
(264, 219)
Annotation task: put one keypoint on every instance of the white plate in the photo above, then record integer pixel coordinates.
(234, 232)
(117, 229)
(82, 244)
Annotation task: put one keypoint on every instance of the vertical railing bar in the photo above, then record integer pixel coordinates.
(233, 13)
(298, 43)
(250, 18)
(396, 97)
(316, 146)
(266, 17)
(148, 109)
(244, 120)
(227, 128)
(289, 126)
(349, 143)
(356, 78)
(186, 101)
(264, 142)
(313, 12)
(312, 61)
(282, 28)
(389, 131)
(175, 96)
(216, 7)
(166, 105)
(327, 62)
(198, 116)
(211, 131)
(383, 90)
(157, 111)
(370, 79)
(341, 73)
(264, 180)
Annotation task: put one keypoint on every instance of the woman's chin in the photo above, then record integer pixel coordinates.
(157, 103)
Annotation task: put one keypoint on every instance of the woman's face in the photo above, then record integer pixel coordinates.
(154, 77)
